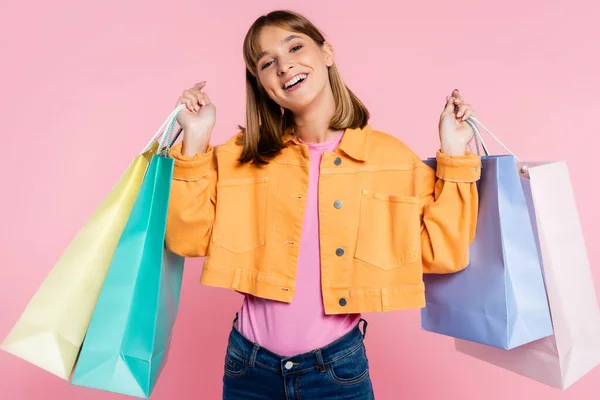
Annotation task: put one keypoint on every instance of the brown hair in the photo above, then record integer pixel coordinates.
(262, 138)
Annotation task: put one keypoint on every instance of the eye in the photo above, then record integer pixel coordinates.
(293, 49)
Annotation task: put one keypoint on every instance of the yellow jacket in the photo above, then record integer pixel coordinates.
(385, 219)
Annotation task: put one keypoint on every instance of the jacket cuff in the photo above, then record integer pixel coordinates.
(465, 168)
(190, 168)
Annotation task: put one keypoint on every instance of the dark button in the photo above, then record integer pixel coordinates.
(337, 161)
(337, 204)
(339, 252)
(343, 302)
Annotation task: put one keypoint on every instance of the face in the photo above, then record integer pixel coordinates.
(293, 68)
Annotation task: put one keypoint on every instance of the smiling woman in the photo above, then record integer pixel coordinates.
(314, 216)
(278, 48)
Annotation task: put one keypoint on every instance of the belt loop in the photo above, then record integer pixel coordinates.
(320, 360)
(252, 360)
(364, 329)
(385, 303)
(235, 319)
(236, 279)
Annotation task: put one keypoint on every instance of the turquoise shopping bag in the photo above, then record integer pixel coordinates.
(128, 338)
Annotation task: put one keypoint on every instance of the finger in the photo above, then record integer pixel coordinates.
(461, 110)
(187, 102)
(200, 85)
(468, 114)
(195, 98)
(456, 94)
(206, 99)
(202, 98)
(199, 97)
(449, 104)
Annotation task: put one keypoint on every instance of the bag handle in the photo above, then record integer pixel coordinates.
(472, 121)
(165, 130)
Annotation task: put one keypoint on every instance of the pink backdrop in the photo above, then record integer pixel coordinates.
(84, 85)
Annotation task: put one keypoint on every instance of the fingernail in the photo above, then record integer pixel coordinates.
(456, 90)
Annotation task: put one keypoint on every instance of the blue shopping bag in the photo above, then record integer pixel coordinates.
(499, 299)
(127, 342)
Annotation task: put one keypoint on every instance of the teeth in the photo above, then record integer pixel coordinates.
(294, 80)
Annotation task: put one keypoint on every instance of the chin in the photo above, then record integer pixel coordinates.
(302, 104)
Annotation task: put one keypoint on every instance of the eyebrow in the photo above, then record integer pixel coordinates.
(284, 41)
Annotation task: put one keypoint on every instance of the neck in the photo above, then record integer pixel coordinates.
(312, 124)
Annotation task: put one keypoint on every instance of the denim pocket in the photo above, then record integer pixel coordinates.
(235, 363)
(351, 368)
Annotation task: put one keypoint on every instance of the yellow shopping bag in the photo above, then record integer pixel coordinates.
(50, 332)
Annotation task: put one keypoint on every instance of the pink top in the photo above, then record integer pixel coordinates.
(298, 327)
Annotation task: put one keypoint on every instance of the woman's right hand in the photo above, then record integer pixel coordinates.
(197, 119)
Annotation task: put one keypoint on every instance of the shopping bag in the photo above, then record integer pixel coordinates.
(574, 349)
(50, 331)
(499, 299)
(127, 342)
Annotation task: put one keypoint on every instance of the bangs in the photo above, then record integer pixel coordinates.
(293, 24)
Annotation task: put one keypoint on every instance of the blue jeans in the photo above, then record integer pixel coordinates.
(337, 371)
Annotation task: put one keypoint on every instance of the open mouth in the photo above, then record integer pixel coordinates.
(295, 83)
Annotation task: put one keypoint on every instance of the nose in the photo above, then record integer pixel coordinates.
(284, 66)
(284, 70)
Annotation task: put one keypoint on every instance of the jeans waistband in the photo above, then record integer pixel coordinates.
(318, 358)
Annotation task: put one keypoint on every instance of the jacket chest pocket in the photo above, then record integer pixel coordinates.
(389, 230)
(240, 214)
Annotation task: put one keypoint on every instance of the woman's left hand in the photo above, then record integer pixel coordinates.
(455, 133)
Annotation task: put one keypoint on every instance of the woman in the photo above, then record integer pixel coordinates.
(315, 216)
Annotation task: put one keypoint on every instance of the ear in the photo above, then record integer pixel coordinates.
(328, 53)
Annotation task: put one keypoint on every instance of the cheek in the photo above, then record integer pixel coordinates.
(318, 66)
(269, 84)
(321, 75)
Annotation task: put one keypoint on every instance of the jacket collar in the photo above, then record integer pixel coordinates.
(354, 142)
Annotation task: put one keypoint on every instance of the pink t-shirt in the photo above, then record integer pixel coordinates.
(298, 327)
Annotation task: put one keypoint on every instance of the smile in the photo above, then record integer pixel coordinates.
(294, 83)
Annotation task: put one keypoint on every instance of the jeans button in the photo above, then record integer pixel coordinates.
(289, 365)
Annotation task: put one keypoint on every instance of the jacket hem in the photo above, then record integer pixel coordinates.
(354, 301)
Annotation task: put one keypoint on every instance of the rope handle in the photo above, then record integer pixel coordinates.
(477, 137)
(165, 131)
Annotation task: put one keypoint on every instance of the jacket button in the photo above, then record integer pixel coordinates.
(337, 204)
(343, 302)
(339, 252)
(337, 161)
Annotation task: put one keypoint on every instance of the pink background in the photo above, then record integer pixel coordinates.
(84, 85)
